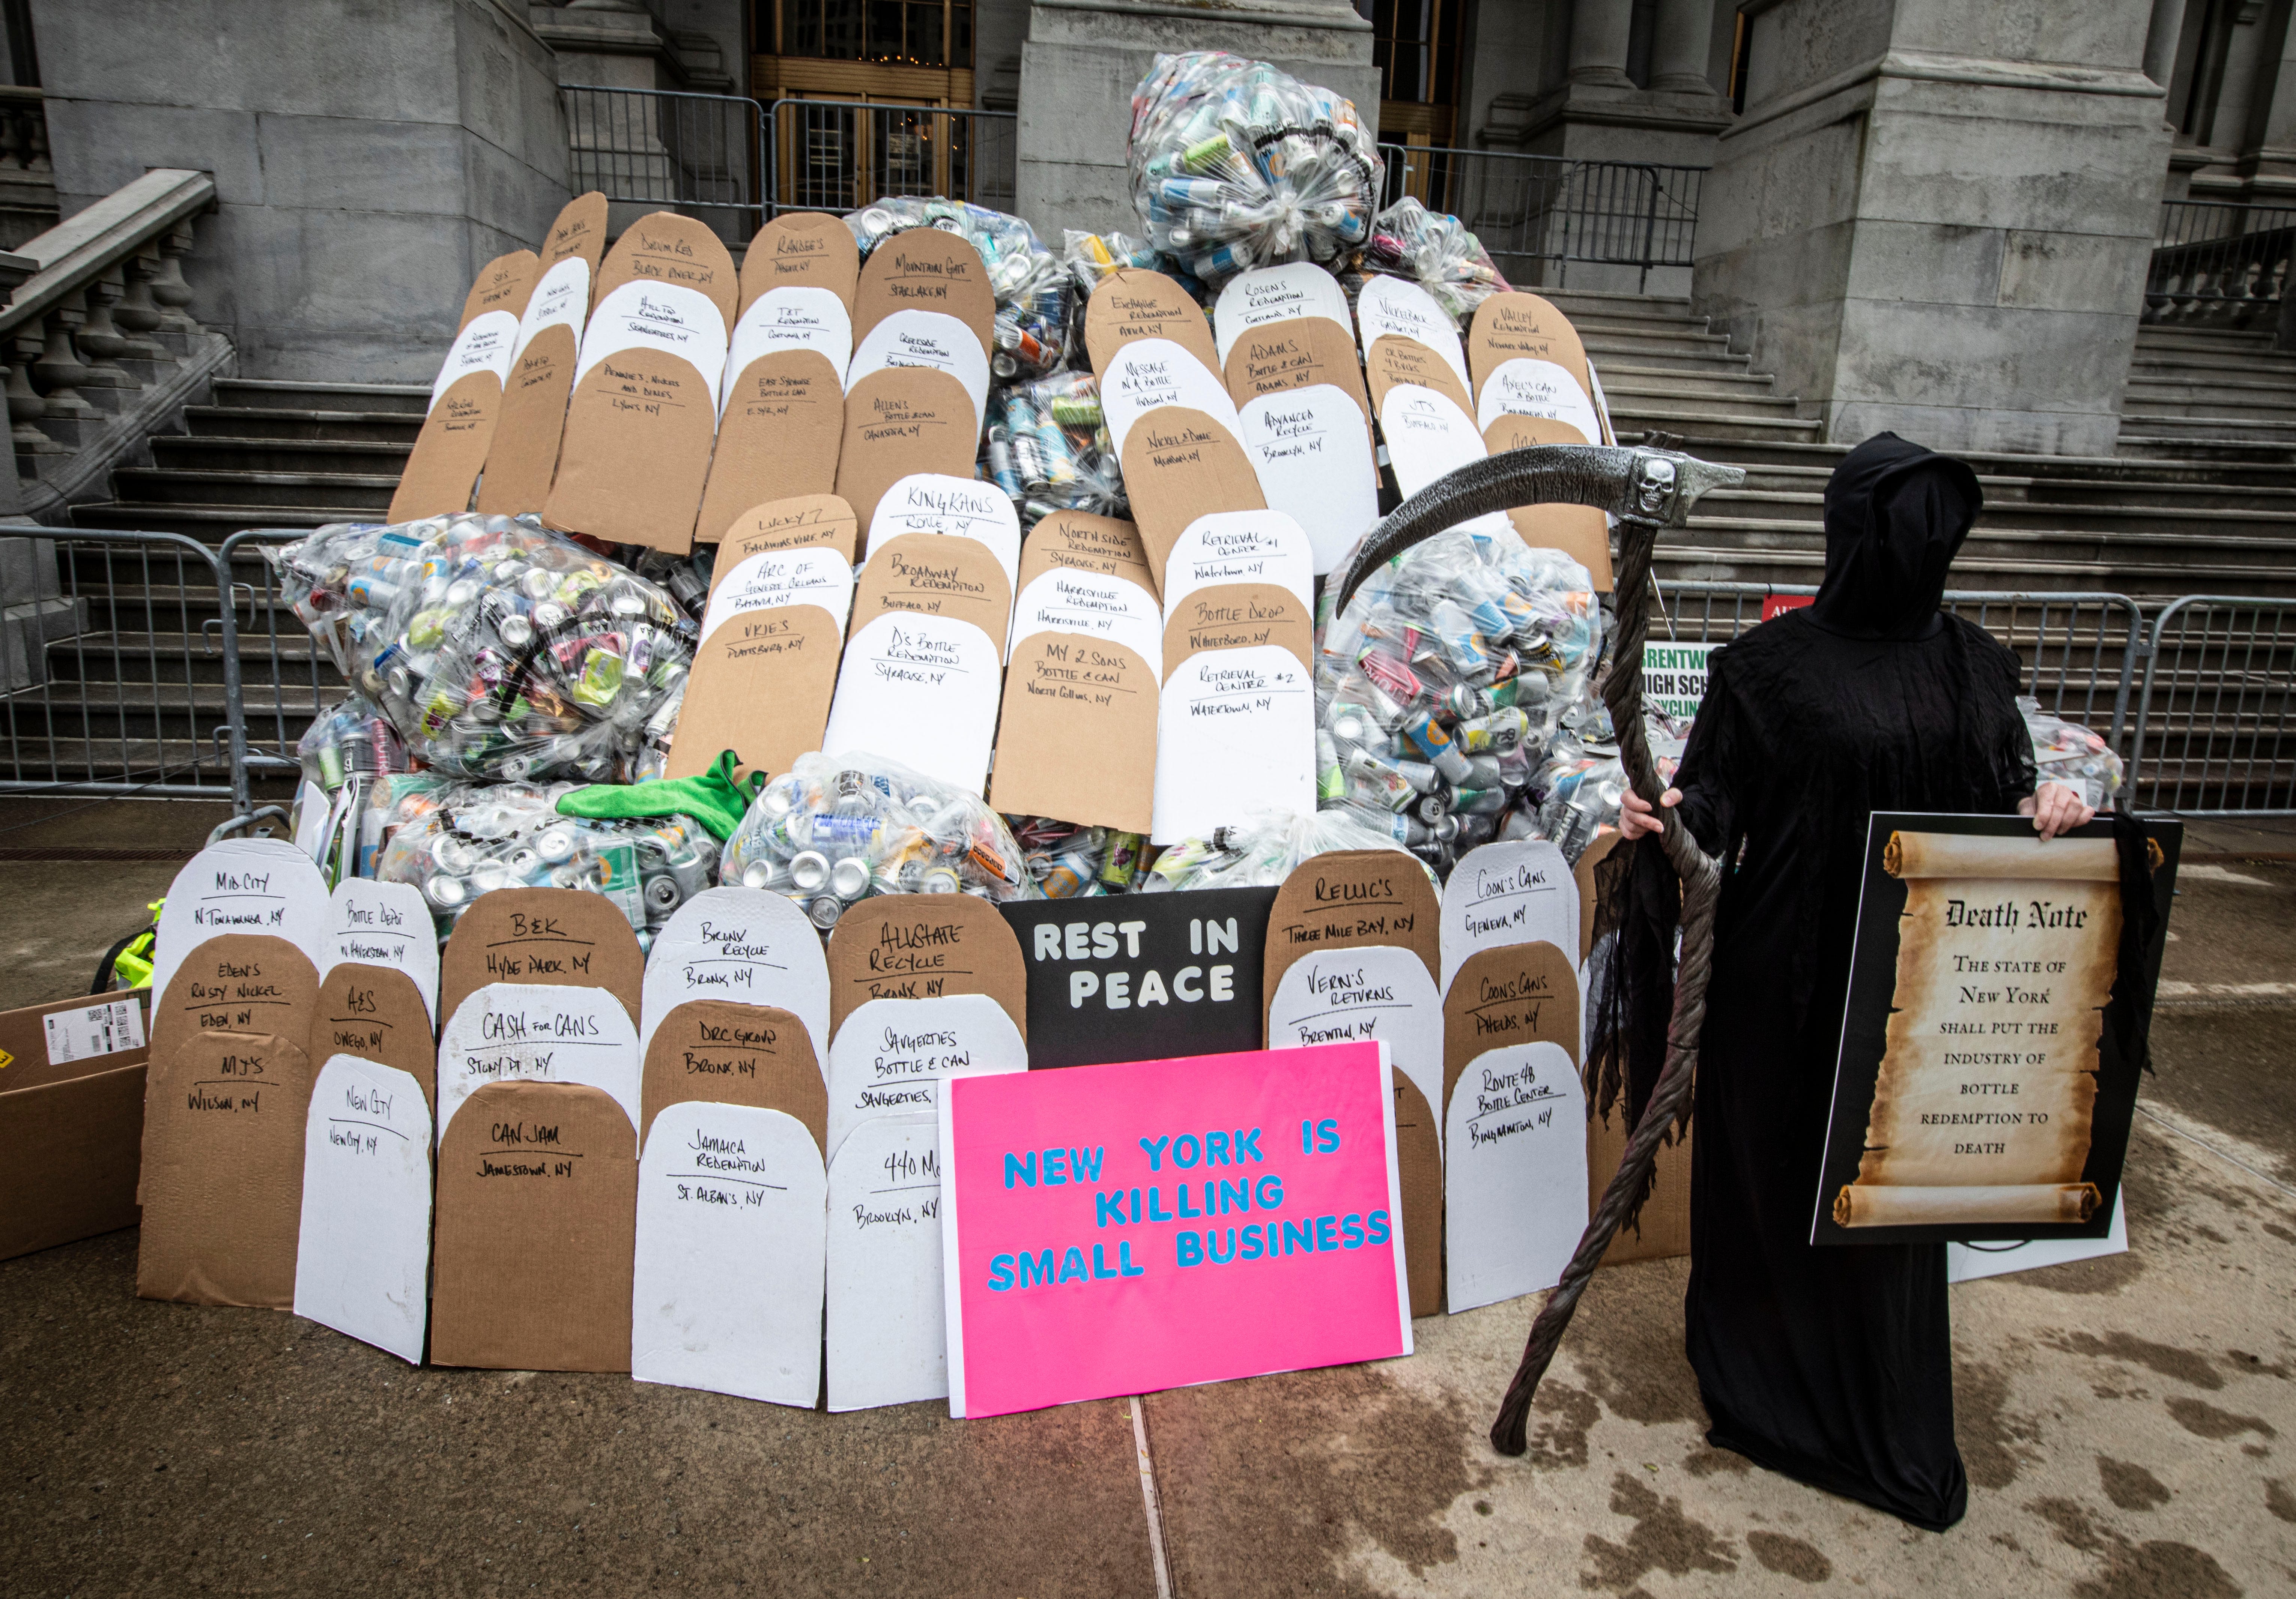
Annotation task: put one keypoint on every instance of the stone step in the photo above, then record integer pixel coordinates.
(356, 427)
(2139, 495)
(2221, 465)
(356, 497)
(79, 759)
(1741, 400)
(66, 711)
(2240, 362)
(1575, 303)
(1712, 378)
(1604, 351)
(2147, 424)
(2211, 526)
(1743, 524)
(273, 394)
(131, 660)
(2019, 573)
(1639, 413)
(2259, 403)
(331, 456)
(210, 524)
(1685, 341)
(2158, 336)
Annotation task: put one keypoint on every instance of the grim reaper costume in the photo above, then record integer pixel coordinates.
(1833, 1366)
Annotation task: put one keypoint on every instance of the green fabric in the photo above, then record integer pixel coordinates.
(714, 798)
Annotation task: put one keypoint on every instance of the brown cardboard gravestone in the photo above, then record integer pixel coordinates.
(451, 449)
(799, 522)
(922, 946)
(1519, 325)
(731, 1053)
(761, 686)
(1077, 736)
(1579, 531)
(642, 423)
(778, 438)
(566, 937)
(225, 1097)
(1079, 542)
(1237, 616)
(376, 1013)
(1180, 464)
(1292, 354)
(933, 574)
(801, 250)
(1133, 302)
(523, 456)
(537, 1231)
(1512, 994)
(1394, 360)
(899, 421)
(924, 269)
(1352, 899)
(1419, 1168)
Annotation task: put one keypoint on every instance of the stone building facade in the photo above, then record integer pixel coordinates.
(1932, 214)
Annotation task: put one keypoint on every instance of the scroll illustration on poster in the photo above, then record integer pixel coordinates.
(1986, 1082)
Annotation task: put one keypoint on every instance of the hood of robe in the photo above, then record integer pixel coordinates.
(1896, 514)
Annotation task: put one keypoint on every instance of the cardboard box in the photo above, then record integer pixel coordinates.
(71, 1130)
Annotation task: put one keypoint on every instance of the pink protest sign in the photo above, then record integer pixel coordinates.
(1120, 1229)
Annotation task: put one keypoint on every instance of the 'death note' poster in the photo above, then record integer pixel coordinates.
(1985, 1087)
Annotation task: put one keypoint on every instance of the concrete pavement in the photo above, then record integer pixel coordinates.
(2128, 1422)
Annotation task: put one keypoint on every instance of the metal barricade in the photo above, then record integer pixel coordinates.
(700, 153)
(1538, 212)
(839, 155)
(2078, 653)
(2212, 719)
(294, 679)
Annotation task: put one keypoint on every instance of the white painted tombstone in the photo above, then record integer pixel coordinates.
(363, 1257)
(1514, 1174)
(887, 1342)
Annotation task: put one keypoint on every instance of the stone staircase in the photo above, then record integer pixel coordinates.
(143, 686)
(2197, 503)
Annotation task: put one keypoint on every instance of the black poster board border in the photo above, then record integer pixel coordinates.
(1873, 985)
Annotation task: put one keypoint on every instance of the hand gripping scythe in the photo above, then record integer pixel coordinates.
(1645, 490)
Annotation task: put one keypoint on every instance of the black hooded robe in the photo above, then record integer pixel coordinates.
(1833, 1366)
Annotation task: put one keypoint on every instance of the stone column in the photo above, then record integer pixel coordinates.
(1083, 58)
(1599, 33)
(1936, 228)
(2161, 40)
(1680, 44)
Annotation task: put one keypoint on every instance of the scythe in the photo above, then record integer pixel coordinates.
(1645, 490)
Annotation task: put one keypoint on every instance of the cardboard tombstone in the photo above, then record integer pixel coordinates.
(801, 521)
(924, 269)
(963, 507)
(376, 923)
(925, 686)
(726, 1053)
(1149, 373)
(1419, 1166)
(1427, 436)
(1075, 541)
(930, 339)
(1393, 359)
(726, 1291)
(1263, 296)
(767, 662)
(548, 936)
(544, 1033)
(887, 1335)
(1133, 303)
(744, 945)
(1107, 608)
(376, 1013)
(1238, 616)
(890, 1056)
(1579, 531)
(1251, 547)
(522, 457)
(781, 427)
(225, 1097)
(466, 396)
(1314, 464)
(927, 575)
(537, 1209)
(1510, 892)
(1543, 391)
(1397, 307)
(1180, 464)
(1369, 993)
(920, 946)
(1313, 351)
(900, 422)
(1518, 325)
(1352, 899)
(801, 250)
(262, 886)
(1514, 1171)
(643, 422)
(1511, 995)
(1235, 735)
(363, 1244)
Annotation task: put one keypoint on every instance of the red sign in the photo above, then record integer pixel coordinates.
(1776, 604)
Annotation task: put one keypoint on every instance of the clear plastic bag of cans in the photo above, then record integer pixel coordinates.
(1578, 790)
(1088, 258)
(1049, 449)
(835, 830)
(1261, 853)
(474, 837)
(504, 651)
(1235, 164)
(1436, 252)
(1016, 259)
(342, 577)
(351, 739)
(686, 579)
(2069, 753)
(1438, 689)
(1069, 862)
